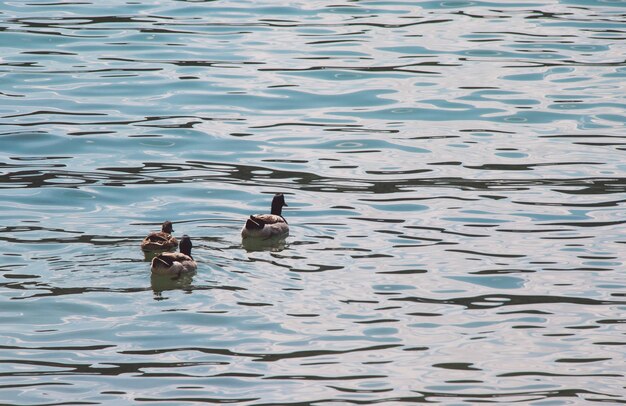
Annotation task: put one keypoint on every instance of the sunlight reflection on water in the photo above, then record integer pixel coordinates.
(454, 174)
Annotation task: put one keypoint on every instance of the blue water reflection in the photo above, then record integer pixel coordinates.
(455, 179)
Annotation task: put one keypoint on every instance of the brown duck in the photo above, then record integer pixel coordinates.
(160, 241)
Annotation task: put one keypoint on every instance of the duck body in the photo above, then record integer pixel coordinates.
(266, 226)
(160, 241)
(175, 263)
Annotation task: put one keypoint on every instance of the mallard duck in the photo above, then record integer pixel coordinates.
(161, 240)
(175, 263)
(265, 226)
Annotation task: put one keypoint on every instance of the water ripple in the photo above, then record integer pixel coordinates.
(455, 180)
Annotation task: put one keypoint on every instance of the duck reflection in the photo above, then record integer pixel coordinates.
(149, 256)
(162, 283)
(273, 244)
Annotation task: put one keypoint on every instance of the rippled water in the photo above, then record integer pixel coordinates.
(455, 178)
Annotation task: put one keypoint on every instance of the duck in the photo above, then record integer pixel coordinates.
(266, 226)
(175, 263)
(161, 240)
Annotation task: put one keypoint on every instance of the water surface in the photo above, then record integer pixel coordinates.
(455, 178)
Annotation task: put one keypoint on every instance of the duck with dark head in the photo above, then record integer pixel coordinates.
(265, 226)
(175, 263)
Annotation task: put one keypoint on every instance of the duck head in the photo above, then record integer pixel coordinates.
(167, 227)
(277, 204)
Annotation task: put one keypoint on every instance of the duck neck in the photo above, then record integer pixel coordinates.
(185, 250)
(277, 209)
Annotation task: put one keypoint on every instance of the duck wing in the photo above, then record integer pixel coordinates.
(158, 237)
(267, 219)
(159, 241)
(172, 262)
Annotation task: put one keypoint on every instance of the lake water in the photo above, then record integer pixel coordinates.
(455, 175)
